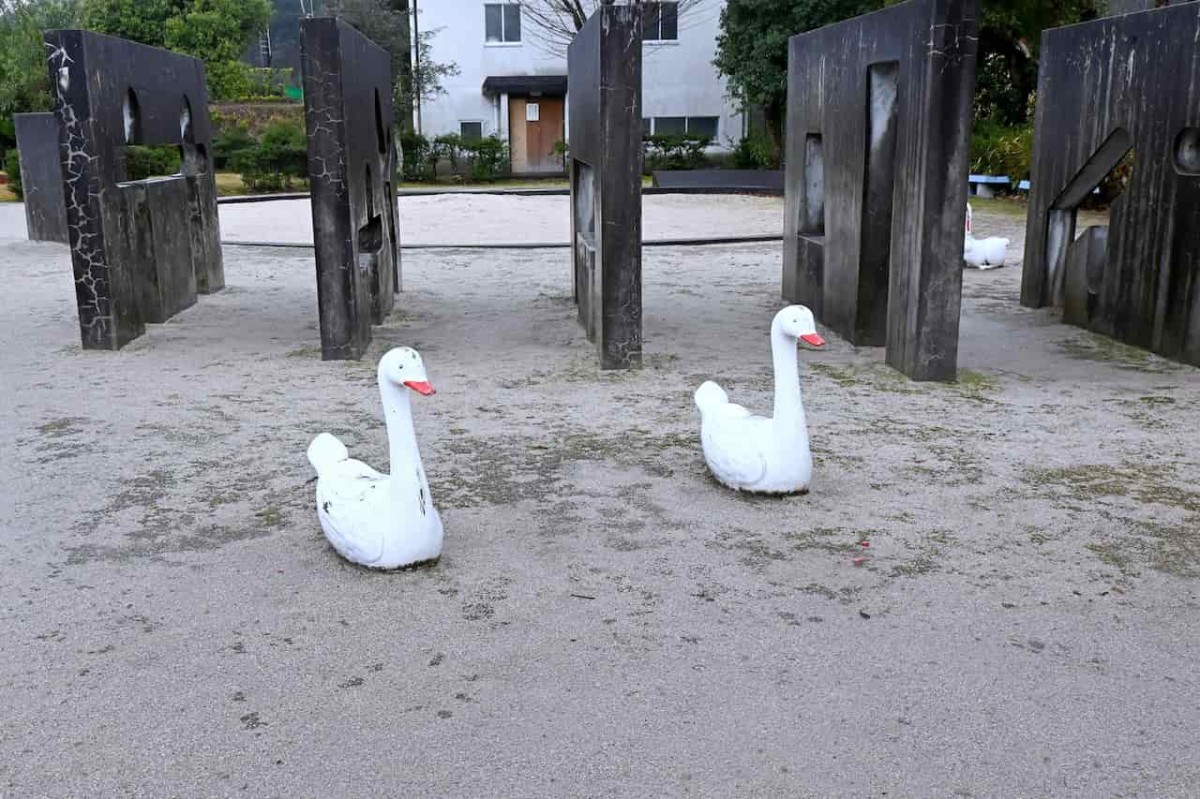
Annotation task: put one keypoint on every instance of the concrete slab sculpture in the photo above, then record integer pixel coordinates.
(604, 103)
(41, 177)
(352, 173)
(878, 132)
(109, 94)
(1121, 95)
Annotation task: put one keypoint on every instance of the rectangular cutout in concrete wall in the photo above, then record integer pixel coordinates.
(888, 96)
(880, 180)
(812, 204)
(1103, 100)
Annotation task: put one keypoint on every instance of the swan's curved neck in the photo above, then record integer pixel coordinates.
(788, 403)
(402, 439)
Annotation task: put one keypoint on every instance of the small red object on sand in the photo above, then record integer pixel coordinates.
(864, 544)
(858, 561)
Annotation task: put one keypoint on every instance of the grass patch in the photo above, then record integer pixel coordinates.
(270, 517)
(876, 376)
(1093, 347)
(1151, 537)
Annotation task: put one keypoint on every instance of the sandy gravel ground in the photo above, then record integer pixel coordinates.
(493, 219)
(605, 621)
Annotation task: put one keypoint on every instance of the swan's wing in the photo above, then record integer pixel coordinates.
(731, 448)
(731, 410)
(348, 503)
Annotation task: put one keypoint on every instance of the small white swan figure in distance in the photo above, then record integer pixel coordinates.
(983, 253)
(754, 453)
(383, 521)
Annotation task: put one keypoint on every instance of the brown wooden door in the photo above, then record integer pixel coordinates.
(543, 121)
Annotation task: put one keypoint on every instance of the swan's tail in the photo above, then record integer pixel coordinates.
(709, 396)
(326, 451)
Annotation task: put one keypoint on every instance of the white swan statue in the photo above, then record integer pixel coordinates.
(377, 520)
(752, 453)
(983, 253)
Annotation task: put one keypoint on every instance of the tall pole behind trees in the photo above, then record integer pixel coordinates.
(417, 72)
(404, 109)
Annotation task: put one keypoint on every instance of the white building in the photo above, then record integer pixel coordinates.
(512, 84)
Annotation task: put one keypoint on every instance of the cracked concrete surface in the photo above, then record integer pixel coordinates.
(605, 620)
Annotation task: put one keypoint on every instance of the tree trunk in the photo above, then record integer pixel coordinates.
(773, 115)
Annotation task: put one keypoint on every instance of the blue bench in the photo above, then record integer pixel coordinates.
(987, 185)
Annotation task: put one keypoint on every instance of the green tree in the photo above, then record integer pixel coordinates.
(1010, 33)
(215, 31)
(138, 20)
(752, 48)
(386, 22)
(24, 81)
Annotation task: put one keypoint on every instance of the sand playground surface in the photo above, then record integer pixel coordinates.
(605, 620)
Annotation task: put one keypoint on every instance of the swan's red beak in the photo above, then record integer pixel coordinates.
(814, 339)
(421, 387)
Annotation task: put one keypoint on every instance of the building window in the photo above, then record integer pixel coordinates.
(703, 126)
(470, 131)
(670, 126)
(502, 22)
(661, 22)
(677, 126)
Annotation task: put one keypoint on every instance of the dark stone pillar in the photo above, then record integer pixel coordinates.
(110, 93)
(1120, 96)
(878, 135)
(604, 66)
(352, 172)
(41, 177)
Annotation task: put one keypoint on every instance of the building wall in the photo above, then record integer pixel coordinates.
(678, 78)
(462, 40)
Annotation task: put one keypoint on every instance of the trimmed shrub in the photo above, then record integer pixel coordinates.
(143, 162)
(279, 158)
(12, 165)
(489, 158)
(682, 151)
(448, 147)
(754, 152)
(415, 151)
(1000, 150)
(484, 160)
(227, 144)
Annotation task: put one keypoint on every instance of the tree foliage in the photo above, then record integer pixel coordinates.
(386, 22)
(24, 81)
(1010, 34)
(138, 20)
(215, 31)
(752, 48)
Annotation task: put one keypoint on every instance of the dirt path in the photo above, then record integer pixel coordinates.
(605, 621)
